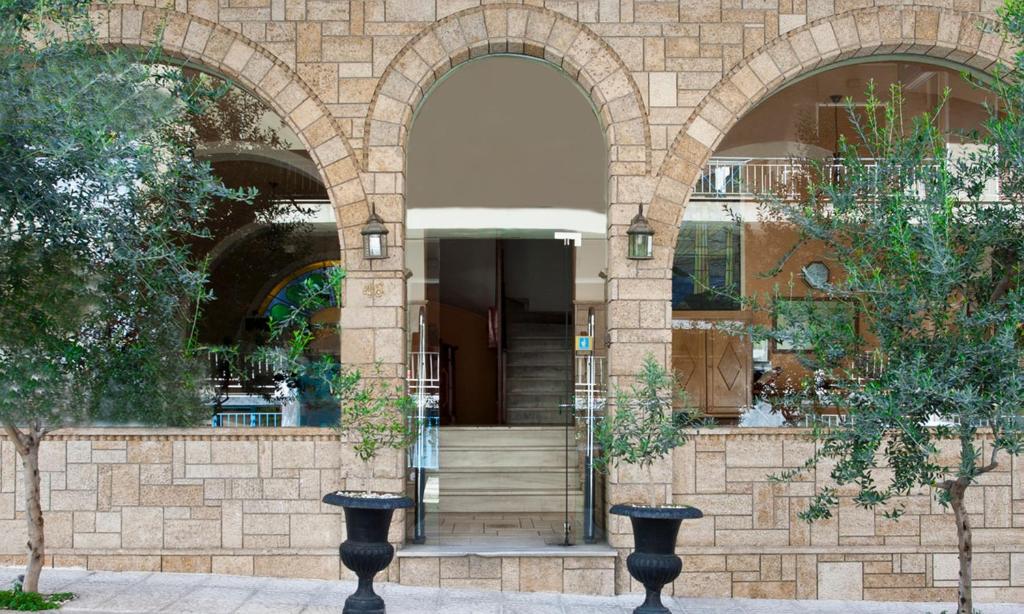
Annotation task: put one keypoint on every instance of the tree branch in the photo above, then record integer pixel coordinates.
(16, 437)
(1001, 288)
(992, 464)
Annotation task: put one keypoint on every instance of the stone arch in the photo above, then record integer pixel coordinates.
(213, 47)
(508, 29)
(927, 32)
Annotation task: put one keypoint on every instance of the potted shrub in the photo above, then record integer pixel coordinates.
(647, 424)
(377, 416)
(374, 415)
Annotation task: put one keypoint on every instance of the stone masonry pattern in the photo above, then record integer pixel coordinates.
(668, 79)
(247, 502)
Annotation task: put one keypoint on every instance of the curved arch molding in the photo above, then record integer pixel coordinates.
(959, 37)
(212, 47)
(508, 29)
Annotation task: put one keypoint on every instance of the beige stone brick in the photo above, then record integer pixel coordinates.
(73, 500)
(454, 567)
(484, 567)
(764, 590)
(662, 89)
(78, 451)
(540, 574)
(416, 571)
(108, 522)
(181, 534)
(142, 527)
(232, 565)
(510, 574)
(97, 541)
(938, 530)
(186, 564)
(703, 584)
(123, 562)
(52, 456)
(265, 524)
(124, 484)
(159, 495)
(148, 452)
(102, 456)
(840, 581)
(297, 566)
(589, 581)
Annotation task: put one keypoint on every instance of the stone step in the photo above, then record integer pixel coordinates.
(531, 344)
(543, 329)
(500, 437)
(465, 480)
(539, 385)
(510, 501)
(531, 416)
(486, 457)
(538, 359)
(559, 371)
(538, 400)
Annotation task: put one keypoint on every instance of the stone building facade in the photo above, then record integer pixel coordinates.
(668, 80)
(247, 502)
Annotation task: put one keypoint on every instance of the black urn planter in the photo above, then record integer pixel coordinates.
(654, 562)
(366, 551)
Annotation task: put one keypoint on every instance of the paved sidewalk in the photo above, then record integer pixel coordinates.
(138, 592)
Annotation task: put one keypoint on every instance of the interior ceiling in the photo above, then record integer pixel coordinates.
(803, 112)
(506, 132)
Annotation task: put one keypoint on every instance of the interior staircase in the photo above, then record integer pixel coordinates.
(538, 373)
(507, 469)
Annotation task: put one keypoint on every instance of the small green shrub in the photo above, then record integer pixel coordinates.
(18, 600)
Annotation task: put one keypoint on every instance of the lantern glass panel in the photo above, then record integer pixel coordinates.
(374, 246)
(641, 246)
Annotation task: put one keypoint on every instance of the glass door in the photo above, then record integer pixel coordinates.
(424, 380)
(585, 393)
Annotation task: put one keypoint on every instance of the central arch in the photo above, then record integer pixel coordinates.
(952, 36)
(508, 29)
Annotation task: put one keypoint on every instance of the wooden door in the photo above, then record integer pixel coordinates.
(689, 361)
(714, 368)
(728, 373)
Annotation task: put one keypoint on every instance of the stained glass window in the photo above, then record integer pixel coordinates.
(706, 270)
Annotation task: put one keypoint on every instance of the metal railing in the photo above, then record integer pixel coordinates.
(424, 373)
(591, 378)
(241, 377)
(736, 178)
(245, 419)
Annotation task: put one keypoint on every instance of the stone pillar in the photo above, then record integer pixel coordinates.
(373, 338)
(639, 322)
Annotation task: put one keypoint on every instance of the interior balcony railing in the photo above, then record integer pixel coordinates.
(749, 178)
(243, 393)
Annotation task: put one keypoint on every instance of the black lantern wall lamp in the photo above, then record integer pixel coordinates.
(375, 237)
(640, 237)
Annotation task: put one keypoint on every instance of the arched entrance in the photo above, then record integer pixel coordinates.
(506, 206)
(727, 250)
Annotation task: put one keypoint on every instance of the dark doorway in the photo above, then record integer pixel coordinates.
(505, 314)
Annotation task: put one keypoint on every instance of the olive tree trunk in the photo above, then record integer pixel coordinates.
(27, 445)
(965, 551)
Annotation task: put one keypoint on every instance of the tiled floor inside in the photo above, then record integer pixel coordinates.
(536, 524)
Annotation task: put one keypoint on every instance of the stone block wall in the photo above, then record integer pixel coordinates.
(751, 543)
(247, 501)
(197, 500)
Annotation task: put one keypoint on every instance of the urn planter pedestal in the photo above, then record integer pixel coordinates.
(366, 550)
(654, 562)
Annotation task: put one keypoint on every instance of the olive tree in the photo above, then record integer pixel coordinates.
(99, 190)
(931, 264)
